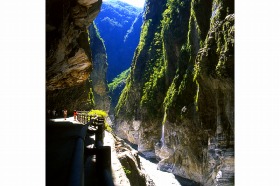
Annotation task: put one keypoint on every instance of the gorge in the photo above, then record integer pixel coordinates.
(185, 84)
(177, 103)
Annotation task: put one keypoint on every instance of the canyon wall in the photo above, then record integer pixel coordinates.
(98, 74)
(68, 58)
(70, 63)
(119, 25)
(178, 102)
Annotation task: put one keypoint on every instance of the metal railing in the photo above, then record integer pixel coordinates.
(83, 117)
(96, 126)
(93, 125)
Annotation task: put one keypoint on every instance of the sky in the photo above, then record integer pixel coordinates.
(137, 3)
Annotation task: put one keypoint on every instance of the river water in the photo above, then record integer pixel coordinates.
(161, 178)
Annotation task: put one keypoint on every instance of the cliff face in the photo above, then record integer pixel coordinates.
(119, 25)
(178, 102)
(68, 60)
(75, 73)
(73, 98)
(98, 74)
(116, 87)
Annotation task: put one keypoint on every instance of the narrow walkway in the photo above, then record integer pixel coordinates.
(69, 119)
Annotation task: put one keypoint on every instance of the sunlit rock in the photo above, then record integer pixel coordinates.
(68, 58)
(182, 76)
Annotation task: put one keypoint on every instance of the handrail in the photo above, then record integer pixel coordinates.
(83, 117)
(92, 125)
(103, 153)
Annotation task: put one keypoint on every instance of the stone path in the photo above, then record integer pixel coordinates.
(69, 119)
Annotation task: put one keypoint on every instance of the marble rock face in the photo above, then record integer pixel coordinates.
(68, 56)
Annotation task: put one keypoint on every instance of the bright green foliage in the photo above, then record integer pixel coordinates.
(91, 97)
(100, 113)
(172, 10)
(155, 86)
(103, 114)
(144, 33)
(194, 37)
(151, 76)
(154, 72)
(196, 71)
(171, 94)
(107, 127)
(165, 60)
(123, 96)
(118, 80)
(126, 170)
(196, 96)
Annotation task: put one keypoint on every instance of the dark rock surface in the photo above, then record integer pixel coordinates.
(70, 63)
(98, 74)
(68, 59)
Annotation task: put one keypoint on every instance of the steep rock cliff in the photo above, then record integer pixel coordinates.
(119, 25)
(178, 103)
(116, 87)
(98, 74)
(71, 63)
(68, 60)
(73, 98)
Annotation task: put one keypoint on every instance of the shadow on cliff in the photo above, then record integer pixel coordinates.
(186, 182)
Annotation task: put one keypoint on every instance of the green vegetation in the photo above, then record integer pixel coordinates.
(171, 94)
(118, 80)
(146, 67)
(165, 60)
(100, 113)
(158, 72)
(144, 33)
(225, 45)
(126, 170)
(154, 75)
(196, 71)
(123, 97)
(157, 42)
(222, 8)
(91, 97)
(196, 96)
(107, 127)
